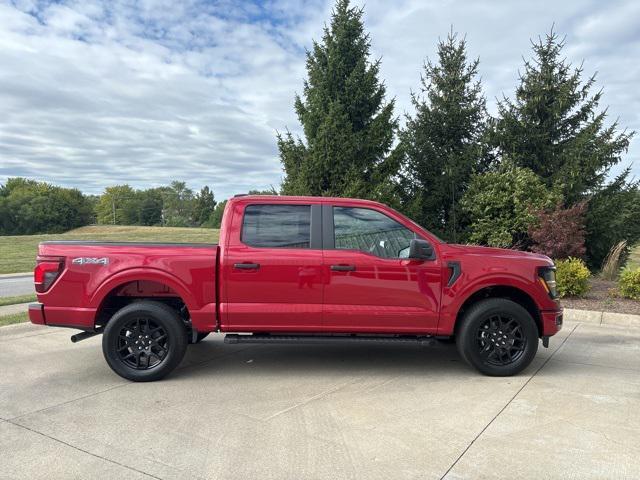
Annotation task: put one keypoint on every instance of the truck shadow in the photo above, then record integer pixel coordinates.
(213, 358)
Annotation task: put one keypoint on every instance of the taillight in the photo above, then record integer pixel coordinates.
(46, 271)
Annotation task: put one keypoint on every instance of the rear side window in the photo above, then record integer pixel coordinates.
(277, 226)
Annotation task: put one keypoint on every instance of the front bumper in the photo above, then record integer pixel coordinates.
(551, 322)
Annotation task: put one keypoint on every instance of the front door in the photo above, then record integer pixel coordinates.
(373, 286)
(273, 269)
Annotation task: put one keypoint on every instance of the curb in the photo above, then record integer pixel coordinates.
(11, 275)
(601, 318)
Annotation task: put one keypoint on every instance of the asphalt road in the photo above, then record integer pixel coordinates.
(321, 412)
(12, 286)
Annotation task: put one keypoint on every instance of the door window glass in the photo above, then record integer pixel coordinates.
(370, 231)
(277, 226)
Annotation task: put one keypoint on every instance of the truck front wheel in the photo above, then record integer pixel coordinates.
(498, 337)
(144, 341)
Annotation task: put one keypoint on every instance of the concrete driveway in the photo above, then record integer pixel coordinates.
(321, 412)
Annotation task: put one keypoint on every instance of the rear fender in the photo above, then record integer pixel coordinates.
(141, 274)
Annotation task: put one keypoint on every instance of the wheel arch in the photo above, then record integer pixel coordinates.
(509, 292)
(133, 285)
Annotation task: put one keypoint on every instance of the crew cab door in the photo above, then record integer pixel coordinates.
(373, 286)
(272, 268)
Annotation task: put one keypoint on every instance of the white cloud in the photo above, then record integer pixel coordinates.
(95, 93)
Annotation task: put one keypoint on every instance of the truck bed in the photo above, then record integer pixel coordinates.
(95, 272)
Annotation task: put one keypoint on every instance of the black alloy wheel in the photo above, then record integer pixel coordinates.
(501, 340)
(144, 341)
(498, 337)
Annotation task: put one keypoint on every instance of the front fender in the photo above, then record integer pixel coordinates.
(454, 297)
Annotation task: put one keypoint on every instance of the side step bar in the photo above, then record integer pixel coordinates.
(320, 339)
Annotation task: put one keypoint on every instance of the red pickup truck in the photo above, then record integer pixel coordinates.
(299, 269)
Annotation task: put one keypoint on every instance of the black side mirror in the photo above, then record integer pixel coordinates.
(420, 250)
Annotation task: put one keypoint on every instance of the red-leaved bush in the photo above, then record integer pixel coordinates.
(560, 233)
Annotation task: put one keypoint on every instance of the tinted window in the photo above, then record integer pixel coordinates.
(277, 226)
(370, 231)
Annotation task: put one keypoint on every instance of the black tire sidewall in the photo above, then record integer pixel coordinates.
(161, 314)
(477, 314)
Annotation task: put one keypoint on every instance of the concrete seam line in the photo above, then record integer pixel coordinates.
(83, 397)
(120, 385)
(507, 404)
(82, 450)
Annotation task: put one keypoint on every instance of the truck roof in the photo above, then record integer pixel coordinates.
(297, 198)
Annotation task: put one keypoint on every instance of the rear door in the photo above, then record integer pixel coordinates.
(272, 269)
(372, 285)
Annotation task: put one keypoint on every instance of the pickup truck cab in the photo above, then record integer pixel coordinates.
(299, 269)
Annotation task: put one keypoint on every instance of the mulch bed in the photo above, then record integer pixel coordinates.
(599, 298)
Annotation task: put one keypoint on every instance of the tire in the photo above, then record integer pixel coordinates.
(158, 349)
(201, 336)
(498, 337)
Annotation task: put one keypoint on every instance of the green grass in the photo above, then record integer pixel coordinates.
(14, 318)
(18, 253)
(4, 301)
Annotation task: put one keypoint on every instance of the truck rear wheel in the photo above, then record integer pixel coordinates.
(498, 337)
(144, 341)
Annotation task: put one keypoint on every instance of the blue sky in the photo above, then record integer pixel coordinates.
(97, 93)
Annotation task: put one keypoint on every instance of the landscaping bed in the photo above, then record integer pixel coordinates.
(600, 298)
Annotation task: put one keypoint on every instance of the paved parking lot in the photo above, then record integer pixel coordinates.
(316, 412)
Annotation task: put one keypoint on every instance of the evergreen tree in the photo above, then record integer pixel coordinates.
(348, 126)
(443, 143)
(554, 126)
(215, 220)
(204, 205)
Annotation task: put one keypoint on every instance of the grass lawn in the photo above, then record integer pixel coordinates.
(18, 253)
(15, 300)
(14, 318)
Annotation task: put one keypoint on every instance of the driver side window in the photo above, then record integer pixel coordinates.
(370, 231)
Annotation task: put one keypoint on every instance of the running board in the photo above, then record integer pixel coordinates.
(320, 339)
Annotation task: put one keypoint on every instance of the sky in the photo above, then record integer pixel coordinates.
(99, 93)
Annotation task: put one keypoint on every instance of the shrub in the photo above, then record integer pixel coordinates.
(613, 261)
(501, 203)
(559, 233)
(629, 283)
(572, 276)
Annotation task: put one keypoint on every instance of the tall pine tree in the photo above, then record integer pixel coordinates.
(348, 126)
(442, 143)
(554, 126)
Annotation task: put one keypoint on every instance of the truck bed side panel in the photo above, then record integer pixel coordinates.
(76, 296)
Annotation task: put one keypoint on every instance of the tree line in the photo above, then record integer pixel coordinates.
(29, 207)
(534, 176)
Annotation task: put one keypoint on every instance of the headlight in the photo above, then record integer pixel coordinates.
(547, 276)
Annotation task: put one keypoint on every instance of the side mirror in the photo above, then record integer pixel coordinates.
(420, 250)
